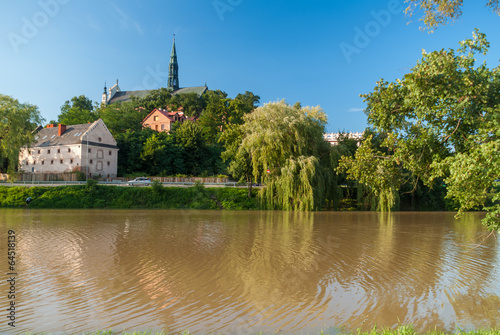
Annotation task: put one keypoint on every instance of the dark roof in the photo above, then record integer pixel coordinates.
(47, 137)
(122, 96)
(127, 95)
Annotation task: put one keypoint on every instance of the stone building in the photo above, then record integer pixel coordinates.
(89, 148)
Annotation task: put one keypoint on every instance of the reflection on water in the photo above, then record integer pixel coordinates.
(245, 272)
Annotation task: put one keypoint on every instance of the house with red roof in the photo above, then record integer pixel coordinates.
(162, 119)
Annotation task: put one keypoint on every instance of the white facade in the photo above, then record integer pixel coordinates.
(333, 138)
(89, 148)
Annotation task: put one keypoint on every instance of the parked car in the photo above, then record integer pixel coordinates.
(139, 181)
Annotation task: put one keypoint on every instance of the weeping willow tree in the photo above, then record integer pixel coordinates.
(285, 150)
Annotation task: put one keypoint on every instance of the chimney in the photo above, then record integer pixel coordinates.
(50, 125)
(62, 129)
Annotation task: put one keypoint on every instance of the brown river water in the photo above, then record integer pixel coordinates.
(241, 272)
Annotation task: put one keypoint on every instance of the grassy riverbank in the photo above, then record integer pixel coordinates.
(401, 330)
(100, 196)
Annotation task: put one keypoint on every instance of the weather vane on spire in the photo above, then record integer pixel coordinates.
(174, 37)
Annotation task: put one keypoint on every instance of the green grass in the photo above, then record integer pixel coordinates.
(100, 196)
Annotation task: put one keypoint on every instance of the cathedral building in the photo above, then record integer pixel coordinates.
(115, 94)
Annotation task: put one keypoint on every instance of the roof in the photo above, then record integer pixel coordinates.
(47, 137)
(168, 114)
(122, 96)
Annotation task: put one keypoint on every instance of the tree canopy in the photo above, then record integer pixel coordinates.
(440, 12)
(78, 110)
(442, 121)
(285, 149)
(17, 122)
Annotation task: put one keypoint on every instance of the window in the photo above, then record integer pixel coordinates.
(90, 149)
(110, 152)
(43, 162)
(71, 161)
(156, 127)
(109, 163)
(51, 161)
(156, 118)
(26, 163)
(61, 161)
(39, 152)
(48, 151)
(99, 166)
(162, 127)
(69, 149)
(58, 151)
(100, 139)
(90, 161)
(34, 162)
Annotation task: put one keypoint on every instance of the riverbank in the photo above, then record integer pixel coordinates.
(110, 197)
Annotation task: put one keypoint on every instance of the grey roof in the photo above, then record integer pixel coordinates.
(124, 96)
(47, 137)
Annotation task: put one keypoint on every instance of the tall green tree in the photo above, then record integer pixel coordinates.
(289, 155)
(439, 12)
(78, 110)
(442, 120)
(17, 123)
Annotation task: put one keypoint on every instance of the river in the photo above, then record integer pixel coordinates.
(248, 271)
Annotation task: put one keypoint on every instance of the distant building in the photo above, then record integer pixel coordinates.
(333, 138)
(115, 94)
(162, 119)
(89, 148)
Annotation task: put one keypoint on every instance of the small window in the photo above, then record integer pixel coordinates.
(109, 163)
(39, 152)
(69, 149)
(44, 137)
(90, 161)
(48, 151)
(90, 150)
(100, 139)
(162, 127)
(52, 162)
(34, 162)
(71, 161)
(43, 162)
(26, 163)
(110, 152)
(61, 161)
(58, 151)
(53, 136)
(156, 118)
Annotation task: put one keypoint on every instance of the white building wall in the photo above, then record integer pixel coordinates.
(55, 159)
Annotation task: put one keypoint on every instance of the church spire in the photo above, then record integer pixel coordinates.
(173, 70)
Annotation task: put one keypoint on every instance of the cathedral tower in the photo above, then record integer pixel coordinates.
(173, 70)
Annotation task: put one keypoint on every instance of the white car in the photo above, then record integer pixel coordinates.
(139, 181)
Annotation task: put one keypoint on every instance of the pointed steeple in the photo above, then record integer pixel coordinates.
(173, 70)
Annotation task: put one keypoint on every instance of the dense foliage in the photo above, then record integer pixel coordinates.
(283, 147)
(189, 149)
(94, 195)
(17, 122)
(442, 121)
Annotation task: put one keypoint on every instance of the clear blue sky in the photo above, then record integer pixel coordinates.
(52, 50)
